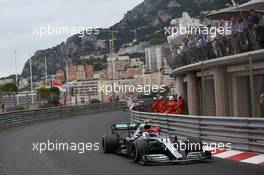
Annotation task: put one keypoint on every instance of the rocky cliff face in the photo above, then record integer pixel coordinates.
(146, 18)
(154, 13)
(72, 49)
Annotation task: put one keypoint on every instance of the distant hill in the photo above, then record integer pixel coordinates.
(148, 18)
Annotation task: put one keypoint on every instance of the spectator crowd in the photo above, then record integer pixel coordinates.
(247, 34)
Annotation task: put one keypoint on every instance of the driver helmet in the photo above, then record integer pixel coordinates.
(171, 98)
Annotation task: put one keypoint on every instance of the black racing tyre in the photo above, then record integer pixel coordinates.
(109, 143)
(139, 148)
(193, 144)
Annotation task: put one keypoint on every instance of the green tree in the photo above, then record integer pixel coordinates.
(49, 95)
(43, 94)
(9, 87)
(54, 95)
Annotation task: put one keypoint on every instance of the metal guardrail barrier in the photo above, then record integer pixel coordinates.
(243, 133)
(20, 117)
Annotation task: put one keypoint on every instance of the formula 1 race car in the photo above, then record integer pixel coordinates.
(145, 145)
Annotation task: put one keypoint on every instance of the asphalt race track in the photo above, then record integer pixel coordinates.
(18, 158)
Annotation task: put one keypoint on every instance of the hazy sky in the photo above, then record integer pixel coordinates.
(19, 17)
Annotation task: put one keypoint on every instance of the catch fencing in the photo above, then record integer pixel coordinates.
(243, 133)
(20, 117)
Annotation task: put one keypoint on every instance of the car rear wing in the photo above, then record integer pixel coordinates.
(124, 127)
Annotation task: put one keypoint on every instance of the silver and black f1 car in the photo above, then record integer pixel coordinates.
(144, 144)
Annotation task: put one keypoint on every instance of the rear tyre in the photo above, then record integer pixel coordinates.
(110, 143)
(139, 148)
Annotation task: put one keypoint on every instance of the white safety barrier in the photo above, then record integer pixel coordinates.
(243, 133)
(17, 118)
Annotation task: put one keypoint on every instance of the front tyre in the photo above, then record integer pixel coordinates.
(139, 148)
(109, 143)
